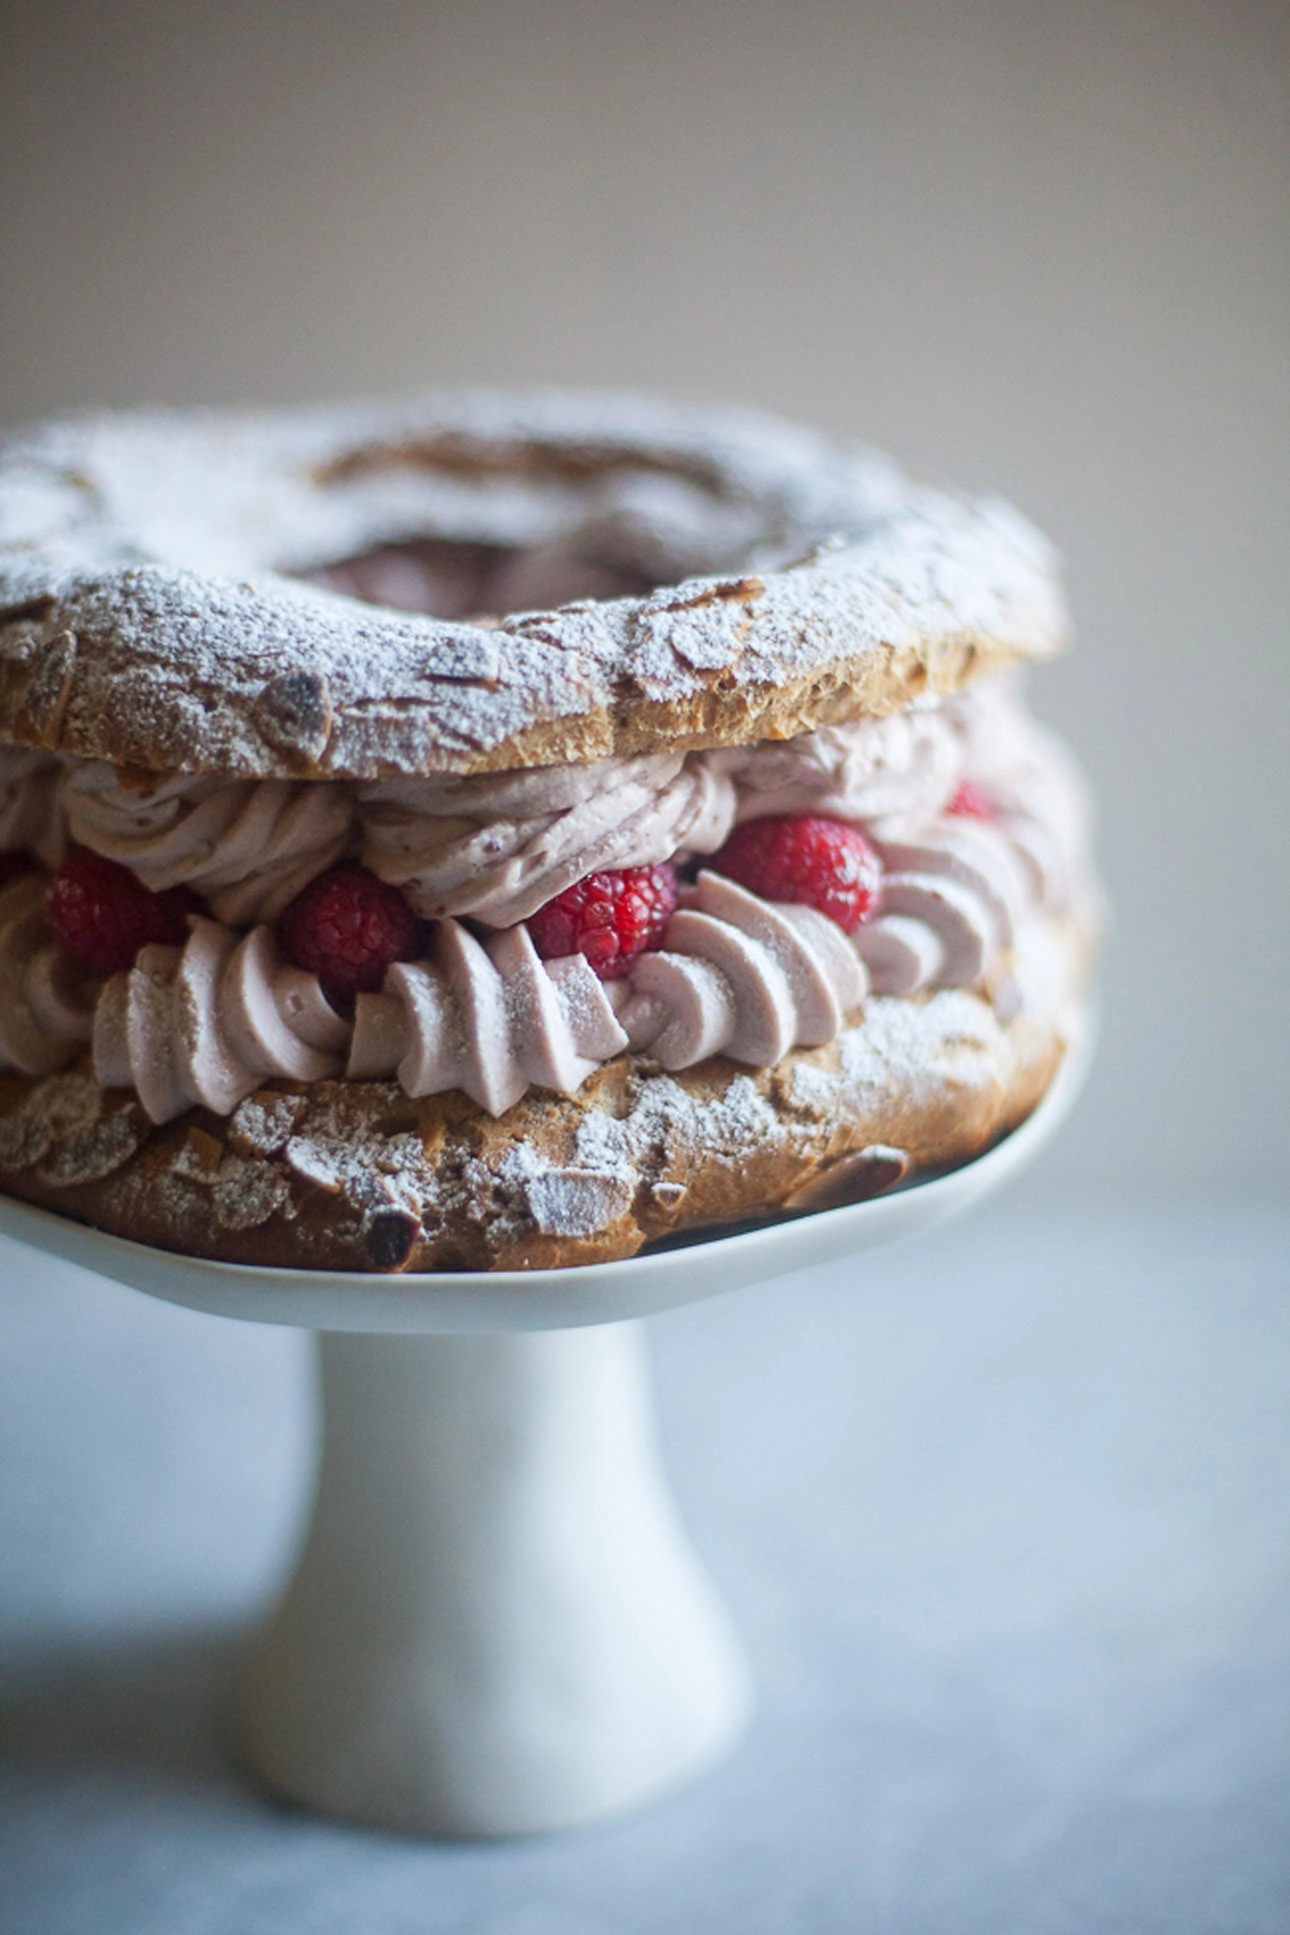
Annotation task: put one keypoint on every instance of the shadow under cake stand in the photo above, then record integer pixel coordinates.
(496, 1624)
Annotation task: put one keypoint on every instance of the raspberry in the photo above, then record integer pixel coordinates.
(347, 927)
(102, 914)
(608, 918)
(826, 863)
(968, 802)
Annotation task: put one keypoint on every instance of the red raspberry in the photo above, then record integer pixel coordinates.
(826, 863)
(347, 927)
(102, 914)
(609, 918)
(968, 802)
(13, 866)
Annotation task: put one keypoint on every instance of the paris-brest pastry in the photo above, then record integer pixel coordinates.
(500, 832)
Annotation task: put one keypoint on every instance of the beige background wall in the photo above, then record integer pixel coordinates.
(1034, 246)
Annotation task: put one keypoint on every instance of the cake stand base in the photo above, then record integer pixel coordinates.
(496, 1624)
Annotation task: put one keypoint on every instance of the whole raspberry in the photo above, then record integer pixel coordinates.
(804, 857)
(347, 927)
(102, 914)
(968, 802)
(609, 918)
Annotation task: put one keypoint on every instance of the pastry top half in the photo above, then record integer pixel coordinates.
(175, 589)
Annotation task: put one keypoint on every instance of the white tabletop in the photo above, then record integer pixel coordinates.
(1004, 1514)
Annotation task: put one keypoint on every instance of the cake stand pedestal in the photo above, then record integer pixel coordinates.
(496, 1624)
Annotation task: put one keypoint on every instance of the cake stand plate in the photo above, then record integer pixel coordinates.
(496, 1624)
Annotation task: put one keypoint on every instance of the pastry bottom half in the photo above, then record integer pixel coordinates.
(359, 1176)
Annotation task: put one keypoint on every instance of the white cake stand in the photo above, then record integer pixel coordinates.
(496, 1624)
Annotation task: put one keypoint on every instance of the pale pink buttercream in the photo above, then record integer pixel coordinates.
(873, 770)
(206, 1023)
(738, 976)
(496, 846)
(949, 901)
(247, 846)
(741, 976)
(491, 1018)
(1039, 795)
(499, 846)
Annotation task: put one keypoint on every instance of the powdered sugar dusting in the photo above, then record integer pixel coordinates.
(141, 560)
(577, 1202)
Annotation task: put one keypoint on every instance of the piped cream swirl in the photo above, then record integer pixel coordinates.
(743, 977)
(247, 846)
(949, 901)
(875, 770)
(738, 976)
(490, 1018)
(208, 1022)
(498, 846)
